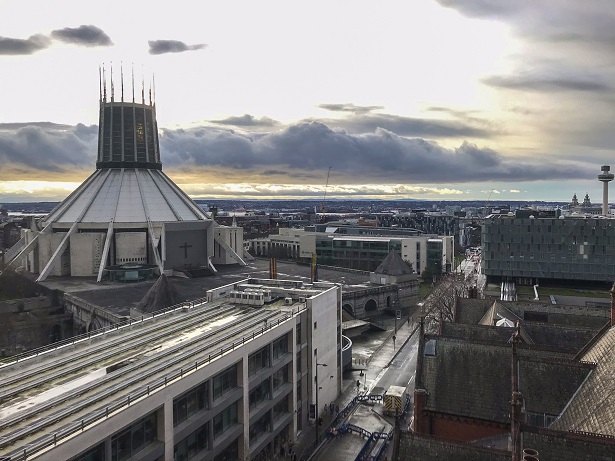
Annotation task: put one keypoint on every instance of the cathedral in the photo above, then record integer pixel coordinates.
(128, 219)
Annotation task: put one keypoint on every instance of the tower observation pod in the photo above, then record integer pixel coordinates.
(605, 177)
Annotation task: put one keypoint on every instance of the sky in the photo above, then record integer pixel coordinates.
(424, 99)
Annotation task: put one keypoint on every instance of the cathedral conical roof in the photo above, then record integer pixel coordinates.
(126, 195)
(128, 185)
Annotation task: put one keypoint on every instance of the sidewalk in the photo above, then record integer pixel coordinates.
(376, 367)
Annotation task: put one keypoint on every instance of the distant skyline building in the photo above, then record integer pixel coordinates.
(528, 249)
(128, 212)
(605, 177)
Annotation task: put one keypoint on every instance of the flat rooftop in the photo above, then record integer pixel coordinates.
(54, 391)
(119, 297)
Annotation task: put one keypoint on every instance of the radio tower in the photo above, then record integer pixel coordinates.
(605, 177)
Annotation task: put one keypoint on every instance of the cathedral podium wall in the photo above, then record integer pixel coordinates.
(85, 253)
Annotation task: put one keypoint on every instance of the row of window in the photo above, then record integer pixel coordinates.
(134, 439)
(191, 403)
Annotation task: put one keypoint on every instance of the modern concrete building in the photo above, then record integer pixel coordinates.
(229, 377)
(532, 250)
(127, 213)
(361, 252)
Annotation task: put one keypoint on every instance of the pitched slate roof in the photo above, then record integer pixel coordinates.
(418, 447)
(471, 310)
(553, 446)
(393, 264)
(592, 409)
(483, 390)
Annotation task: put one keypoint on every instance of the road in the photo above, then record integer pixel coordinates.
(389, 366)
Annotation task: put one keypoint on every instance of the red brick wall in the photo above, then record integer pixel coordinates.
(462, 431)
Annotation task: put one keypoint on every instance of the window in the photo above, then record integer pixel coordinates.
(225, 419)
(280, 346)
(262, 425)
(190, 403)
(132, 440)
(280, 377)
(260, 393)
(430, 347)
(258, 360)
(315, 325)
(224, 382)
(230, 453)
(280, 409)
(93, 454)
(192, 445)
(315, 352)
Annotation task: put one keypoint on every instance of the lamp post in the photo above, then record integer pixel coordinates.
(316, 379)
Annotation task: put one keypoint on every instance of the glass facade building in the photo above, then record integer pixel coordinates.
(528, 250)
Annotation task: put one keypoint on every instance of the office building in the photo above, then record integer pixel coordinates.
(229, 377)
(532, 250)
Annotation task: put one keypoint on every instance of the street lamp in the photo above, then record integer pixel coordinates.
(316, 379)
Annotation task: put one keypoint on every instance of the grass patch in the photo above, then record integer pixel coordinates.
(546, 291)
(424, 289)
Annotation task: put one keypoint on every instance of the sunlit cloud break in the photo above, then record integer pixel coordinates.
(347, 191)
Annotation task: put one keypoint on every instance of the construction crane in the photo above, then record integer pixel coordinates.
(488, 200)
(324, 197)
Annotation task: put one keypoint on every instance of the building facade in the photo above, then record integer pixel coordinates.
(530, 250)
(360, 252)
(228, 378)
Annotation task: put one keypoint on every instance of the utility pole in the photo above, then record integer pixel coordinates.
(516, 401)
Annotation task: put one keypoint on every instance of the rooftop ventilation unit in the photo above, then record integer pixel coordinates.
(302, 299)
(288, 301)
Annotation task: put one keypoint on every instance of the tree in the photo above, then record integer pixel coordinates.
(440, 304)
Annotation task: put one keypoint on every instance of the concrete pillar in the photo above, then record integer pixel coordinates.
(165, 428)
(244, 415)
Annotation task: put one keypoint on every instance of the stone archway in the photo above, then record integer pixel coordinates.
(348, 308)
(371, 306)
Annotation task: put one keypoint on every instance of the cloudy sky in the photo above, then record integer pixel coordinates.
(425, 99)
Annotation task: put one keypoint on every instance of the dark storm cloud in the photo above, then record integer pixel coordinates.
(44, 125)
(18, 46)
(297, 153)
(377, 157)
(410, 126)
(172, 46)
(49, 150)
(246, 120)
(566, 22)
(349, 108)
(547, 84)
(85, 35)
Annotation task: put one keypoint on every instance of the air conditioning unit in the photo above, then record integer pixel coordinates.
(302, 299)
(288, 301)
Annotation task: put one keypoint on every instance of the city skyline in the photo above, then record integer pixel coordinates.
(438, 101)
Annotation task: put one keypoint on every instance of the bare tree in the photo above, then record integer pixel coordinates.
(440, 304)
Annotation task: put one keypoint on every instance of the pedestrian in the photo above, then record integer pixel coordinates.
(337, 409)
(326, 406)
(331, 407)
